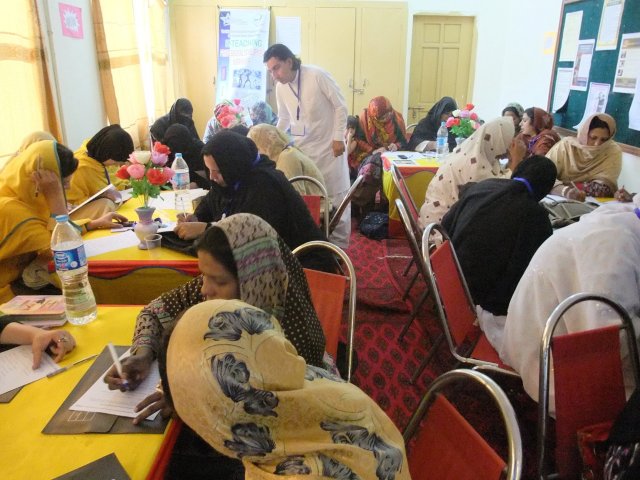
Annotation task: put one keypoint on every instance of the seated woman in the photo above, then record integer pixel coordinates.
(31, 194)
(591, 158)
(246, 182)
(600, 254)
(475, 160)
(240, 257)
(496, 227)
(536, 131)
(239, 383)
(261, 112)
(424, 135)
(290, 160)
(181, 112)
(112, 145)
(515, 112)
(226, 114)
(57, 342)
(180, 140)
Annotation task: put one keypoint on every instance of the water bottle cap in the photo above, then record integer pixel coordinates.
(178, 155)
(443, 124)
(62, 218)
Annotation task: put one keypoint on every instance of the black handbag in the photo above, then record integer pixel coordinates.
(172, 241)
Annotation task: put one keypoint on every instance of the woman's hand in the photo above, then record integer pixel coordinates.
(150, 405)
(49, 185)
(516, 152)
(135, 369)
(623, 196)
(186, 217)
(106, 221)
(190, 230)
(58, 342)
(392, 147)
(575, 194)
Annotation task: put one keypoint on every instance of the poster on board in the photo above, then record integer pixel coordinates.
(628, 66)
(582, 65)
(243, 38)
(610, 24)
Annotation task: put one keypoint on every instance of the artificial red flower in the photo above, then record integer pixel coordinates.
(155, 176)
(456, 121)
(473, 116)
(123, 173)
(160, 148)
(469, 106)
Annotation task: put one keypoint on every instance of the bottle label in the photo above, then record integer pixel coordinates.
(66, 260)
(181, 179)
(441, 141)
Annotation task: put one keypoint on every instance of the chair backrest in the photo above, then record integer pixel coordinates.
(411, 237)
(443, 445)
(405, 196)
(451, 294)
(314, 202)
(327, 295)
(588, 380)
(343, 204)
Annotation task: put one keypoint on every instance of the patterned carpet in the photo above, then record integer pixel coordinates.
(385, 364)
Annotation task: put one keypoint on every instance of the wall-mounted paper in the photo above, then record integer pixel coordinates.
(628, 68)
(562, 88)
(288, 32)
(634, 110)
(582, 65)
(597, 99)
(610, 24)
(570, 36)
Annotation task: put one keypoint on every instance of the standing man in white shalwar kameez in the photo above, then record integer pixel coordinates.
(313, 110)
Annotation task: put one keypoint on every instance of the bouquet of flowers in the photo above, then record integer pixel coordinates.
(463, 122)
(229, 114)
(147, 172)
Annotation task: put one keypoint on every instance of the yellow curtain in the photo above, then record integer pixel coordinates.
(133, 63)
(25, 94)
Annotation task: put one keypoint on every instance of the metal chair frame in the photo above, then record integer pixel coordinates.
(324, 196)
(545, 360)
(514, 441)
(333, 223)
(351, 319)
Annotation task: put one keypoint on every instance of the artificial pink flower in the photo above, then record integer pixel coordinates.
(159, 158)
(450, 121)
(473, 116)
(236, 101)
(136, 171)
(168, 174)
(464, 114)
(476, 126)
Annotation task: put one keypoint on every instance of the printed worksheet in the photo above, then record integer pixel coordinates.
(16, 371)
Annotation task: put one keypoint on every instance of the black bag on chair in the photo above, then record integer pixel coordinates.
(172, 241)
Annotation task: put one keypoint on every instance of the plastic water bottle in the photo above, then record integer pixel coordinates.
(181, 183)
(71, 266)
(442, 141)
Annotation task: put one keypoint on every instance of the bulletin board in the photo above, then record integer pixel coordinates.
(603, 70)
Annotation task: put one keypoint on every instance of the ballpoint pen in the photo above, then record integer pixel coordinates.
(78, 362)
(116, 362)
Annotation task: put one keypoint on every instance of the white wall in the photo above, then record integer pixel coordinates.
(509, 63)
(74, 73)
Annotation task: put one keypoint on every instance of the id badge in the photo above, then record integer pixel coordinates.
(298, 130)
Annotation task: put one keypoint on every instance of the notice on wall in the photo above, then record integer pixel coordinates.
(562, 88)
(570, 36)
(582, 65)
(71, 20)
(610, 24)
(628, 67)
(634, 109)
(288, 32)
(243, 38)
(597, 99)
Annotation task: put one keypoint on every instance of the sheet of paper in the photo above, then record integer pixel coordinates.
(100, 399)
(570, 36)
(597, 99)
(16, 371)
(96, 195)
(628, 67)
(288, 32)
(634, 109)
(562, 88)
(610, 24)
(167, 227)
(167, 199)
(582, 65)
(110, 243)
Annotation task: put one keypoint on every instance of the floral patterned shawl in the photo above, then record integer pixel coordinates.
(239, 383)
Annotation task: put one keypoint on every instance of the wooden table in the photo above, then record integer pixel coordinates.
(27, 453)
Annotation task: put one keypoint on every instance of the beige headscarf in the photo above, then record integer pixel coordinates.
(237, 381)
(578, 162)
(473, 161)
(30, 139)
(290, 160)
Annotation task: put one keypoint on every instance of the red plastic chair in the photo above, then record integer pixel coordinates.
(160, 464)
(447, 447)
(455, 307)
(319, 205)
(588, 381)
(327, 295)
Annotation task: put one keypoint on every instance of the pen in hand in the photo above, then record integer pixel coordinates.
(64, 369)
(118, 365)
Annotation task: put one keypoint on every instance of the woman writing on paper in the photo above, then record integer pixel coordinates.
(592, 159)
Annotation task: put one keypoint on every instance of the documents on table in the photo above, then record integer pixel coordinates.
(16, 371)
(100, 399)
(110, 243)
(167, 198)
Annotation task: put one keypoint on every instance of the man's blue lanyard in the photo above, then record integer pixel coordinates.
(297, 95)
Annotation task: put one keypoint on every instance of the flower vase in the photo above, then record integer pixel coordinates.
(145, 226)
